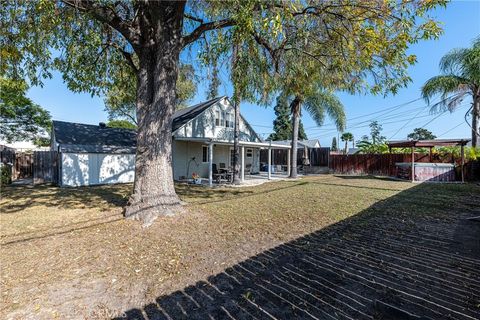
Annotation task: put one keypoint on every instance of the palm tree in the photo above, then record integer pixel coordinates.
(316, 104)
(346, 136)
(460, 78)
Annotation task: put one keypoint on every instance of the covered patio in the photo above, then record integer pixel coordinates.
(218, 156)
(430, 171)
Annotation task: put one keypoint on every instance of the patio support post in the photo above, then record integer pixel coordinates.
(288, 162)
(242, 168)
(462, 151)
(210, 164)
(413, 164)
(269, 163)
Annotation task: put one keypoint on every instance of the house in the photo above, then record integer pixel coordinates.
(202, 141)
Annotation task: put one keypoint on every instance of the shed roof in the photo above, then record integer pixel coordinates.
(79, 137)
(427, 143)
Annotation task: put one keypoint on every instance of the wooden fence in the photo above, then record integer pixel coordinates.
(384, 164)
(41, 166)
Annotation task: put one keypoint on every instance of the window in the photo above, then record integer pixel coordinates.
(249, 153)
(204, 153)
(229, 120)
(232, 157)
(224, 119)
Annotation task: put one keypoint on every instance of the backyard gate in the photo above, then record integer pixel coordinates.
(45, 167)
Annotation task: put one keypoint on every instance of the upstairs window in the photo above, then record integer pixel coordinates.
(217, 118)
(229, 120)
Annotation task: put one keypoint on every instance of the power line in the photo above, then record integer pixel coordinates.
(386, 111)
(458, 125)
(409, 120)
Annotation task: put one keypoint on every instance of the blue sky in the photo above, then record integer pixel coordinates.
(461, 23)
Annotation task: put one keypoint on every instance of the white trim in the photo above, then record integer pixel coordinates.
(242, 143)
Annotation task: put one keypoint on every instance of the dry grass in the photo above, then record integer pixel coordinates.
(68, 253)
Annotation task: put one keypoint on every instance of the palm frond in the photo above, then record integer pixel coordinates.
(452, 62)
(447, 85)
(325, 102)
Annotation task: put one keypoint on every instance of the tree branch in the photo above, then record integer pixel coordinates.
(106, 15)
(204, 27)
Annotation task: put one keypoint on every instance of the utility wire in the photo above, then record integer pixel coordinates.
(409, 120)
(458, 125)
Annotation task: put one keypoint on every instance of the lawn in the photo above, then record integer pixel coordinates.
(68, 253)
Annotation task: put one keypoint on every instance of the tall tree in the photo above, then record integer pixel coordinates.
(421, 134)
(334, 144)
(302, 135)
(375, 143)
(282, 125)
(120, 99)
(317, 104)
(237, 97)
(346, 137)
(21, 119)
(460, 78)
(376, 132)
(97, 41)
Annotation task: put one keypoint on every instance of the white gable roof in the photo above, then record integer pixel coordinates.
(201, 122)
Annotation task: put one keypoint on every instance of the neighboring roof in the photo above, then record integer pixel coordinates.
(313, 143)
(79, 137)
(427, 143)
(182, 116)
(353, 150)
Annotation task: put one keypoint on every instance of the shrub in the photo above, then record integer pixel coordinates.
(6, 174)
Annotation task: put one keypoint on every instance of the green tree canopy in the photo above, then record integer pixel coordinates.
(421, 134)
(346, 137)
(375, 143)
(122, 124)
(334, 144)
(22, 120)
(121, 96)
(460, 78)
(95, 44)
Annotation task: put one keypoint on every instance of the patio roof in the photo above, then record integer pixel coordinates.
(427, 143)
(269, 144)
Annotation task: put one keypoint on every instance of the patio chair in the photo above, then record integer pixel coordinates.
(217, 176)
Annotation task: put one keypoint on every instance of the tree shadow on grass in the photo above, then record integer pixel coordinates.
(390, 261)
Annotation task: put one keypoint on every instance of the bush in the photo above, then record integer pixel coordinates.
(6, 174)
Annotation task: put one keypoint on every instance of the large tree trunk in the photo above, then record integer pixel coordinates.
(476, 121)
(295, 107)
(154, 191)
